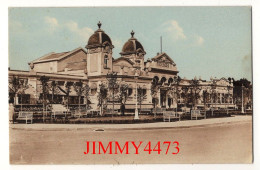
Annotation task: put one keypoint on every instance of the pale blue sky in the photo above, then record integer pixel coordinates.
(203, 41)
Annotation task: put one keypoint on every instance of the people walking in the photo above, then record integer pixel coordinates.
(122, 108)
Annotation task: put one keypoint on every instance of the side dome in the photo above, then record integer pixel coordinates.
(132, 46)
(95, 40)
(99, 38)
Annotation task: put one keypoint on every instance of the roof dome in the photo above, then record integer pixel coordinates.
(132, 46)
(99, 38)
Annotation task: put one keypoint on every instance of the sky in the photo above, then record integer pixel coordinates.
(203, 41)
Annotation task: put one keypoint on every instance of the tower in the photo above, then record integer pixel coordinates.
(99, 53)
(134, 51)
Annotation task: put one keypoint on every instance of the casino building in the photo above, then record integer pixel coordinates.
(157, 77)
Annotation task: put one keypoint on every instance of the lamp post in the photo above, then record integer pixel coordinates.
(136, 109)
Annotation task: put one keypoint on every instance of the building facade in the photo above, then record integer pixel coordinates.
(156, 79)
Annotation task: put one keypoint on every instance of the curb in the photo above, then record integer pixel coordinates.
(101, 129)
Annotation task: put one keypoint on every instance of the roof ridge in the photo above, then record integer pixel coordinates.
(45, 55)
(58, 58)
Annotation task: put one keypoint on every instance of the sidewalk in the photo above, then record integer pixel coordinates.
(140, 126)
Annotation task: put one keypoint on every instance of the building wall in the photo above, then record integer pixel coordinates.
(78, 57)
(47, 67)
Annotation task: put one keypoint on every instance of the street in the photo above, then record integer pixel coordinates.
(216, 143)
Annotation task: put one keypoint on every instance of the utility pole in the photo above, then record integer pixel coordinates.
(136, 95)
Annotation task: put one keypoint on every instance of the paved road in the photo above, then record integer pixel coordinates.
(217, 143)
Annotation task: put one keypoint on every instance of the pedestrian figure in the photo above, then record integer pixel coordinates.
(122, 108)
(11, 113)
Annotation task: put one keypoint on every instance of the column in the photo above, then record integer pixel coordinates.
(136, 109)
(167, 106)
(16, 99)
(159, 98)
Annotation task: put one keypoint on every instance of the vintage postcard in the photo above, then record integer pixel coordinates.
(130, 85)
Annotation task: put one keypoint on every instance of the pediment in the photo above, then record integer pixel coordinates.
(222, 81)
(163, 58)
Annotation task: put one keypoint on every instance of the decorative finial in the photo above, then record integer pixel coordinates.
(99, 24)
(132, 33)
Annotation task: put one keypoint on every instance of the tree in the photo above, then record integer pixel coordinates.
(23, 86)
(185, 95)
(123, 95)
(54, 89)
(155, 86)
(228, 95)
(14, 86)
(67, 92)
(78, 87)
(237, 91)
(68, 86)
(45, 91)
(195, 91)
(205, 96)
(140, 97)
(112, 84)
(213, 94)
(250, 95)
(86, 94)
(176, 83)
(102, 95)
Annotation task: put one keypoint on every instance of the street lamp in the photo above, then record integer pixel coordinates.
(136, 109)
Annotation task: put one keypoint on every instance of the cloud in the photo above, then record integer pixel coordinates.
(76, 32)
(16, 26)
(84, 32)
(51, 22)
(118, 43)
(175, 31)
(198, 40)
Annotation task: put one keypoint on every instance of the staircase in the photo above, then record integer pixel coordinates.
(58, 107)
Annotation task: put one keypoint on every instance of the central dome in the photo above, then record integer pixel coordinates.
(132, 46)
(99, 38)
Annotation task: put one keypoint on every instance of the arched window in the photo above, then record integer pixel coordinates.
(156, 79)
(170, 80)
(163, 79)
(130, 91)
(93, 91)
(144, 91)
